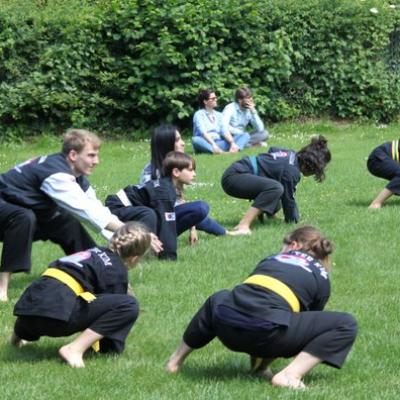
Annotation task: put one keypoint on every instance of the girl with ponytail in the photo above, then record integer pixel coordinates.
(277, 312)
(85, 292)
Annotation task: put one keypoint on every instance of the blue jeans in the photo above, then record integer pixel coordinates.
(200, 145)
(195, 214)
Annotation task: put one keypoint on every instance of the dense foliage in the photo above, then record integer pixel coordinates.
(119, 65)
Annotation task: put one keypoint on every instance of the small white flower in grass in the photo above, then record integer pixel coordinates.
(394, 6)
(373, 10)
(200, 184)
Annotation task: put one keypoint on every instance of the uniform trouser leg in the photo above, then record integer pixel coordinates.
(384, 167)
(110, 315)
(211, 226)
(145, 215)
(66, 231)
(202, 328)
(17, 227)
(327, 335)
(266, 193)
(323, 334)
(190, 214)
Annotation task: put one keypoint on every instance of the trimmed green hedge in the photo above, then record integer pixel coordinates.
(121, 65)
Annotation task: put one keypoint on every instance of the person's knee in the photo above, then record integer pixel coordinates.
(196, 144)
(274, 187)
(130, 309)
(23, 218)
(149, 218)
(279, 189)
(202, 209)
(348, 324)
(200, 145)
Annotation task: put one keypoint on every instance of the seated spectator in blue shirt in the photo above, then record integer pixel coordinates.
(241, 113)
(210, 135)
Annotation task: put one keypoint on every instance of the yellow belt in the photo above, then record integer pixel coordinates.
(75, 286)
(276, 286)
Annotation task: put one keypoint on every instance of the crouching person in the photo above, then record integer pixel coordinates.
(84, 292)
(277, 312)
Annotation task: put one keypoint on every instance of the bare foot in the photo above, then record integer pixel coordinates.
(72, 358)
(3, 296)
(375, 206)
(173, 365)
(16, 341)
(283, 380)
(239, 231)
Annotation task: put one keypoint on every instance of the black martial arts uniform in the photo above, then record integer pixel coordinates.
(41, 199)
(268, 179)
(277, 313)
(384, 162)
(153, 204)
(49, 307)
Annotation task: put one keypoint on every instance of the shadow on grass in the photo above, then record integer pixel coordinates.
(32, 352)
(365, 203)
(37, 352)
(227, 373)
(220, 372)
(257, 224)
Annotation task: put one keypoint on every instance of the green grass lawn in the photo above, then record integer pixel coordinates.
(365, 280)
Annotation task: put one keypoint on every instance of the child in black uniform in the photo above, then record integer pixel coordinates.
(277, 312)
(156, 200)
(384, 162)
(88, 292)
(270, 180)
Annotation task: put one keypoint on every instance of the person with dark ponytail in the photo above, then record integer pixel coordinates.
(85, 292)
(277, 312)
(270, 179)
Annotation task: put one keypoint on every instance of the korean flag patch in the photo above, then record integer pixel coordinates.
(169, 216)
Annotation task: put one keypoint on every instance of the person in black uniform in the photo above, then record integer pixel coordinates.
(44, 199)
(270, 180)
(153, 203)
(88, 292)
(277, 312)
(384, 162)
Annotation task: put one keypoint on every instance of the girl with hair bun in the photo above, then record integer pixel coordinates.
(85, 292)
(270, 180)
(277, 312)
